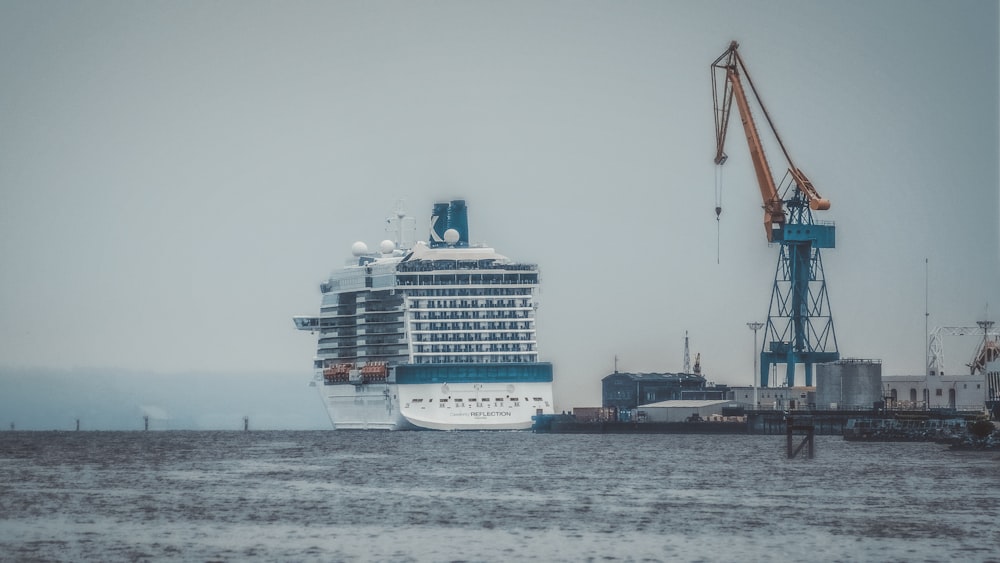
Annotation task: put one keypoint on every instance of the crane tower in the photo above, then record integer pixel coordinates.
(799, 325)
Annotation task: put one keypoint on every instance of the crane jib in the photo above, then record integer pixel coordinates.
(730, 87)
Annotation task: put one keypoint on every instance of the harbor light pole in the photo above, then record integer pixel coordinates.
(755, 326)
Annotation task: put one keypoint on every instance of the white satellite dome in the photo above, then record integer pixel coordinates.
(359, 248)
(387, 246)
(451, 236)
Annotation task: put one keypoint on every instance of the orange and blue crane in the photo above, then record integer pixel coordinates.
(799, 328)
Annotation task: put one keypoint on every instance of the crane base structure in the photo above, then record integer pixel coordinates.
(799, 327)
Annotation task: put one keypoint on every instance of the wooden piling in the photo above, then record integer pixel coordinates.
(809, 437)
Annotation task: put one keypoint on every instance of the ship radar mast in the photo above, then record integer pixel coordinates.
(402, 227)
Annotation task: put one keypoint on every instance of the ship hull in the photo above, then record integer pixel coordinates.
(432, 406)
(363, 407)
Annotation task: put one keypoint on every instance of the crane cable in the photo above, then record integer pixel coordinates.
(718, 209)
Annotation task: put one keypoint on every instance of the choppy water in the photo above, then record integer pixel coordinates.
(446, 496)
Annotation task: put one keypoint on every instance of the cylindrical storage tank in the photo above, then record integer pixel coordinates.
(458, 219)
(828, 386)
(439, 224)
(849, 384)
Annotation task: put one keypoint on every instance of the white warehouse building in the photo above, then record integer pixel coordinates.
(681, 410)
(961, 392)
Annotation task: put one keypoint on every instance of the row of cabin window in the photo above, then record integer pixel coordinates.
(484, 400)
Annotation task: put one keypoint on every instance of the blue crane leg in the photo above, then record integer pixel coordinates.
(765, 369)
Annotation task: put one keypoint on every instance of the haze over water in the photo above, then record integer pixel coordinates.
(449, 496)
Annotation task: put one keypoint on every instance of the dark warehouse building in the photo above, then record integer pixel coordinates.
(626, 391)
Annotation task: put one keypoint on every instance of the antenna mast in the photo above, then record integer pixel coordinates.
(687, 354)
(927, 319)
(401, 226)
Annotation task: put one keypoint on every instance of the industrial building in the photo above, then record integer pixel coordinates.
(847, 384)
(858, 384)
(960, 392)
(681, 411)
(773, 398)
(626, 391)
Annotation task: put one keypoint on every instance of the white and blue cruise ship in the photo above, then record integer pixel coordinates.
(433, 335)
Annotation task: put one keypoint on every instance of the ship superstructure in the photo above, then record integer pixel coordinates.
(434, 335)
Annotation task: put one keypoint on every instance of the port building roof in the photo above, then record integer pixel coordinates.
(655, 376)
(687, 404)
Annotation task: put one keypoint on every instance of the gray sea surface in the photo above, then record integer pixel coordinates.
(488, 496)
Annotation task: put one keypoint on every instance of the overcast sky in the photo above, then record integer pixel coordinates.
(177, 178)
